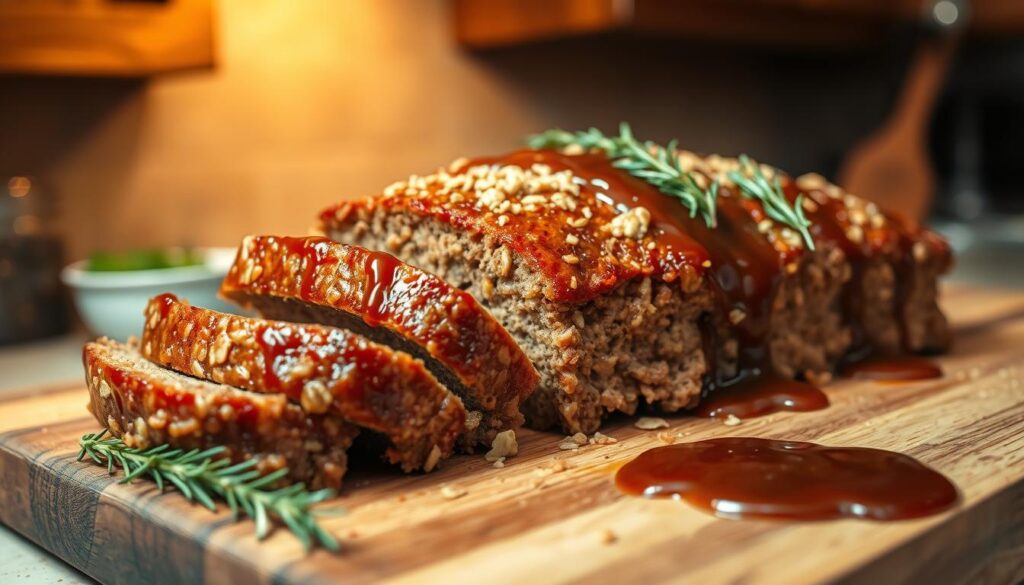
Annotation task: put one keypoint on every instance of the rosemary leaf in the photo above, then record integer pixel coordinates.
(751, 181)
(660, 166)
(199, 475)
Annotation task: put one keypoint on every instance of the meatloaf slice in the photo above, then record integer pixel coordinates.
(374, 294)
(322, 368)
(620, 298)
(147, 405)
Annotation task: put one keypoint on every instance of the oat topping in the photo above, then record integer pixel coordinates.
(631, 224)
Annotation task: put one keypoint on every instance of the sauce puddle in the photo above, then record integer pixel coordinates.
(763, 478)
(760, 396)
(892, 369)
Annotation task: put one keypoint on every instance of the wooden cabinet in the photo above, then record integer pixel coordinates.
(125, 38)
(797, 23)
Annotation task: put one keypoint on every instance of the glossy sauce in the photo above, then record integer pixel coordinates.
(761, 396)
(741, 265)
(892, 369)
(381, 271)
(314, 253)
(762, 478)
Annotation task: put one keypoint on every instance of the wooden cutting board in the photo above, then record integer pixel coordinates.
(531, 522)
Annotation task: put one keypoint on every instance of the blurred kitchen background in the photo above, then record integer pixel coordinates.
(142, 124)
(128, 124)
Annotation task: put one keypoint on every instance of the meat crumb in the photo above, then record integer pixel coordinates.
(650, 423)
(608, 536)
(666, 437)
(732, 420)
(450, 492)
(504, 445)
(602, 439)
(573, 442)
(551, 467)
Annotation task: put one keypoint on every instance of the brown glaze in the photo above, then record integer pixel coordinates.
(381, 274)
(316, 279)
(761, 396)
(740, 264)
(762, 478)
(892, 369)
(326, 370)
(149, 406)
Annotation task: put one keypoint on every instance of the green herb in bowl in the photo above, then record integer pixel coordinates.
(143, 259)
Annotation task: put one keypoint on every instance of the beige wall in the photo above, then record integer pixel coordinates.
(320, 99)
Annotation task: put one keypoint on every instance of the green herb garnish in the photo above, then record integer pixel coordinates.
(198, 474)
(660, 166)
(753, 183)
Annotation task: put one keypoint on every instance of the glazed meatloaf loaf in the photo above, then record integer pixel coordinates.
(316, 280)
(325, 370)
(146, 405)
(620, 297)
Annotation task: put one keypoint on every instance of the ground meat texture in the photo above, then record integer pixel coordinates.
(146, 405)
(317, 280)
(323, 369)
(612, 317)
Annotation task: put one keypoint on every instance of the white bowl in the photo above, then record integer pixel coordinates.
(112, 303)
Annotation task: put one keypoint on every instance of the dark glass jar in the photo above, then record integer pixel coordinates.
(32, 302)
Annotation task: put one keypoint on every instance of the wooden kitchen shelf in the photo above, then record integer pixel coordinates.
(123, 38)
(794, 23)
(493, 23)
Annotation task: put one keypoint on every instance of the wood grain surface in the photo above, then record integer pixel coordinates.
(535, 522)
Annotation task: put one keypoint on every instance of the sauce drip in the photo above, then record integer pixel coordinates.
(892, 369)
(762, 478)
(381, 272)
(760, 396)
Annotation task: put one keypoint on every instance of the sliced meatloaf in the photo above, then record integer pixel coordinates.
(325, 370)
(621, 298)
(147, 405)
(317, 280)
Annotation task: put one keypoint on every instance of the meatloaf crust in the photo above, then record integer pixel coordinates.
(621, 299)
(376, 295)
(322, 368)
(146, 405)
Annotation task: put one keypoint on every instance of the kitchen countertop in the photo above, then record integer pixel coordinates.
(57, 361)
(50, 362)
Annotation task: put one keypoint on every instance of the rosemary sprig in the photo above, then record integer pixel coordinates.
(754, 184)
(658, 165)
(200, 474)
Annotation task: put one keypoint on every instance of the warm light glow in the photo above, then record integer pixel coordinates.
(19, 187)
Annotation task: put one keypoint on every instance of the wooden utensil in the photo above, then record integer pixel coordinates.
(892, 167)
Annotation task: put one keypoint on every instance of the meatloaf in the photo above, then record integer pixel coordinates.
(374, 294)
(325, 370)
(146, 405)
(621, 298)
